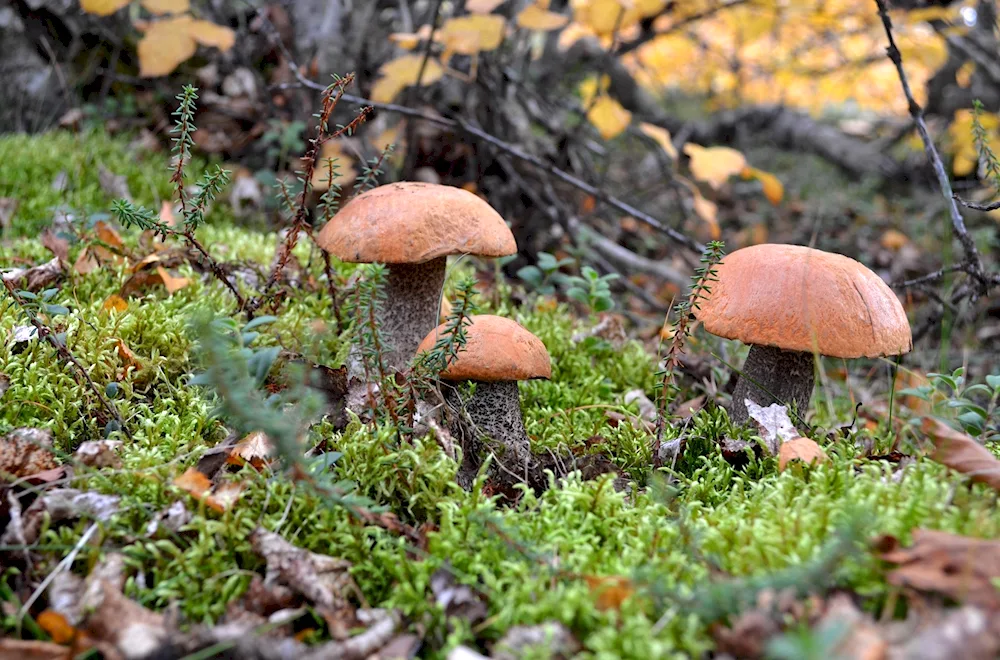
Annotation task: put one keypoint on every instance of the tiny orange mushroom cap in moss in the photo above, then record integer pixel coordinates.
(790, 302)
(413, 227)
(498, 353)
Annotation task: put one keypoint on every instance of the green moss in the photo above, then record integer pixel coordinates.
(527, 559)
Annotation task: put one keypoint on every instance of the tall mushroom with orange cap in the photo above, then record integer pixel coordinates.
(412, 228)
(497, 354)
(791, 302)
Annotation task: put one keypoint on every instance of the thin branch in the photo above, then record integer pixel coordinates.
(976, 207)
(81, 375)
(974, 264)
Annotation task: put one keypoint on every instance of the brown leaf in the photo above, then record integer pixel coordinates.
(4, 384)
(962, 453)
(36, 278)
(457, 600)
(59, 629)
(99, 453)
(173, 284)
(24, 649)
(172, 519)
(959, 567)
(127, 357)
(55, 244)
(800, 449)
(25, 451)
(551, 636)
(256, 448)
(610, 591)
(115, 303)
(194, 483)
(86, 262)
(322, 580)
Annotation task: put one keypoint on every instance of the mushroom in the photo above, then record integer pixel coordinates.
(413, 227)
(497, 354)
(790, 302)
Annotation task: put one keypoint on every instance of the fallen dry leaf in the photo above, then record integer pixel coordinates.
(772, 423)
(220, 499)
(86, 262)
(962, 453)
(609, 591)
(114, 303)
(322, 580)
(4, 384)
(99, 453)
(256, 449)
(457, 600)
(36, 278)
(59, 629)
(960, 567)
(800, 449)
(172, 519)
(25, 451)
(647, 409)
(128, 358)
(30, 649)
(173, 284)
(55, 244)
(552, 636)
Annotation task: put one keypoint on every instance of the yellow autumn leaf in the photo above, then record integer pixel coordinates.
(608, 116)
(703, 208)
(172, 284)
(410, 40)
(468, 35)
(402, 72)
(160, 7)
(774, 190)
(344, 166)
(661, 136)
(607, 16)
(714, 165)
(533, 17)
(114, 303)
(212, 34)
(164, 46)
(102, 7)
(482, 6)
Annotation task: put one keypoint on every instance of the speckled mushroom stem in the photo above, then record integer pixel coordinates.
(787, 375)
(410, 311)
(495, 412)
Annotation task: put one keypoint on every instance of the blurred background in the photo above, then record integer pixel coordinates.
(618, 134)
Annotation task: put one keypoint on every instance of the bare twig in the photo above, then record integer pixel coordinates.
(973, 265)
(80, 374)
(976, 207)
(469, 129)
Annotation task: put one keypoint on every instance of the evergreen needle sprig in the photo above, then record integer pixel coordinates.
(702, 280)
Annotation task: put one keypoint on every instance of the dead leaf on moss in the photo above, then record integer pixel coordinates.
(114, 303)
(962, 453)
(256, 449)
(801, 450)
(172, 519)
(36, 278)
(144, 279)
(86, 262)
(772, 423)
(59, 629)
(57, 245)
(99, 453)
(173, 284)
(959, 567)
(220, 498)
(552, 637)
(128, 358)
(610, 591)
(4, 384)
(457, 600)
(30, 649)
(322, 580)
(26, 451)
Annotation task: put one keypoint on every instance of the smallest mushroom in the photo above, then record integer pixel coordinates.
(497, 354)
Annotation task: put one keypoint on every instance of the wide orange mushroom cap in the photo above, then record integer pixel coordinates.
(801, 299)
(496, 349)
(410, 223)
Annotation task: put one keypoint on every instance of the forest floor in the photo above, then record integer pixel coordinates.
(700, 556)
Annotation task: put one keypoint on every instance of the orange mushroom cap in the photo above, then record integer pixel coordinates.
(801, 299)
(496, 349)
(410, 223)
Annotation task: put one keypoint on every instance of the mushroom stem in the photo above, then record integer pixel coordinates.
(771, 375)
(411, 309)
(494, 411)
